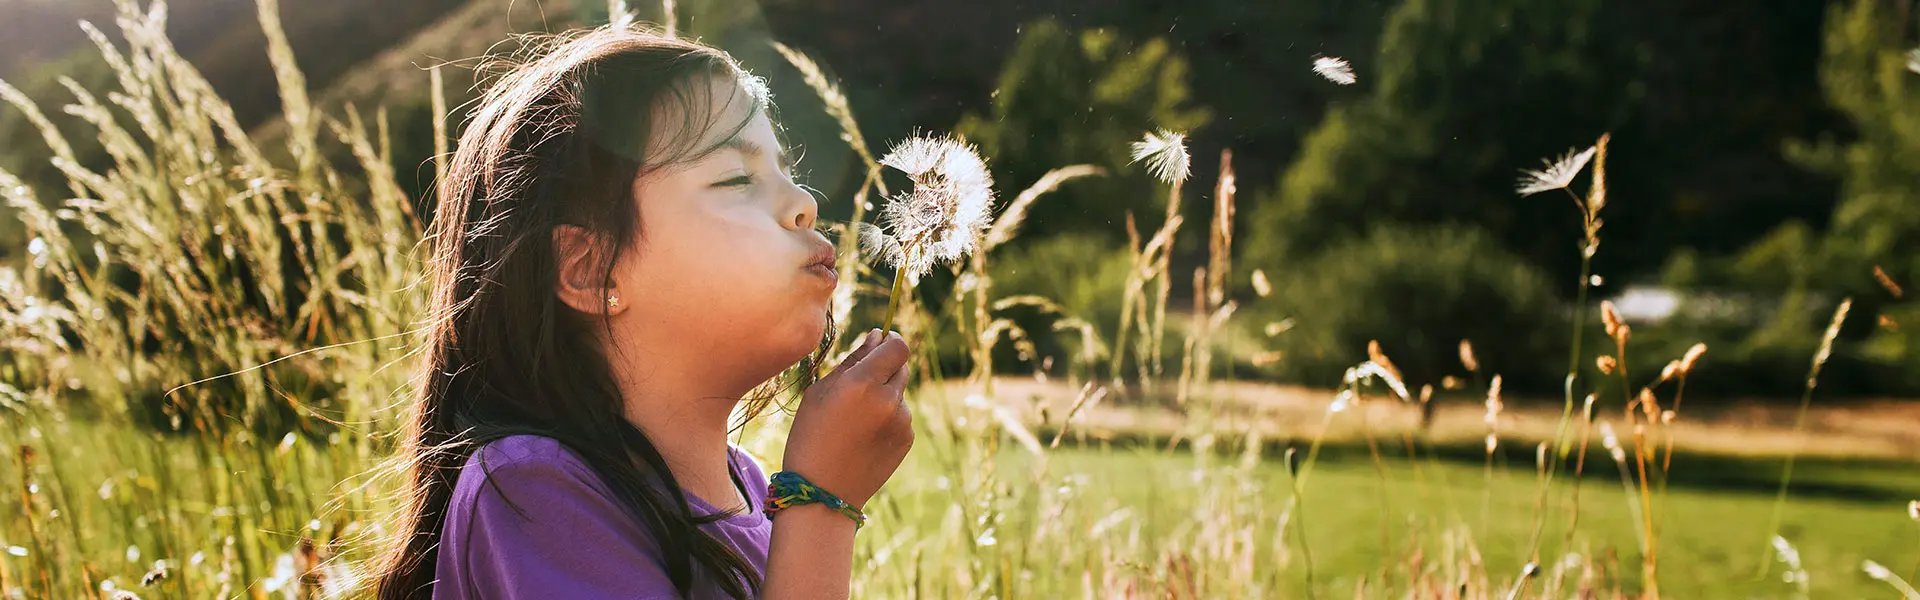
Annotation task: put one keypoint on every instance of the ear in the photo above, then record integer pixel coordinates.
(581, 281)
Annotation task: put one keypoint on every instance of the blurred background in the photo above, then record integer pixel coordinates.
(1763, 167)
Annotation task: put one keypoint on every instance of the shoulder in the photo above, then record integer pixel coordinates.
(530, 519)
(519, 469)
(524, 449)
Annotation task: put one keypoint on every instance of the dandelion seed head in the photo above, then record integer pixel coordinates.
(1556, 174)
(1165, 153)
(1334, 69)
(1913, 510)
(1913, 60)
(943, 216)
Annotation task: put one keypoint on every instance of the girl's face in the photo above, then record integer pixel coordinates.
(727, 267)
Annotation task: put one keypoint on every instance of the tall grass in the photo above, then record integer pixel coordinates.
(205, 345)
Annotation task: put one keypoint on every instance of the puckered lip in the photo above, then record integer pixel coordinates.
(825, 256)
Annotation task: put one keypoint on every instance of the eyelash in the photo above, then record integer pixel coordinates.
(742, 180)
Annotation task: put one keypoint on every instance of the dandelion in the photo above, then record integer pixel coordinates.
(1913, 60)
(1556, 175)
(1335, 69)
(1165, 153)
(941, 219)
(1913, 510)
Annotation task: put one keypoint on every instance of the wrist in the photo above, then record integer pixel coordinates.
(788, 489)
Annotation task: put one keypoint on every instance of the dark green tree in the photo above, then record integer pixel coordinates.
(1069, 98)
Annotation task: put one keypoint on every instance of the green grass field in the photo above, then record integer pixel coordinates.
(1713, 540)
(1035, 527)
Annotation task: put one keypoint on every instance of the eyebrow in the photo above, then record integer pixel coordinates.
(751, 150)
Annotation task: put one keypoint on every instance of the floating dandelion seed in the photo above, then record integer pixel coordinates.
(1557, 175)
(1165, 153)
(941, 219)
(1335, 69)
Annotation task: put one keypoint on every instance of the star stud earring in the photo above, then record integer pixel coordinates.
(613, 301)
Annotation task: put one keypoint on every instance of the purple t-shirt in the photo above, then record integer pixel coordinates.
(570, 537)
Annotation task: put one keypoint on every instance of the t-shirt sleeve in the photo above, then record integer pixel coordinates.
(541, 525)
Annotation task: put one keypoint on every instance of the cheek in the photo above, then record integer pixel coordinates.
(731, 278)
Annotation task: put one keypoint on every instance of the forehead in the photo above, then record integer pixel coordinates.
(654, 116)
(711, 115)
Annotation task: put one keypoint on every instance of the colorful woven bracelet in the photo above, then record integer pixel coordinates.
(787, 488)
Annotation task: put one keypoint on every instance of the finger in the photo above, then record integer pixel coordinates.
(853, 356)
(879, 364)
(898, 378)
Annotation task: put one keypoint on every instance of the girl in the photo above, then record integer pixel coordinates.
(621, 257)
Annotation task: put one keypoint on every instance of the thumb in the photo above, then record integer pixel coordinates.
(881, 361)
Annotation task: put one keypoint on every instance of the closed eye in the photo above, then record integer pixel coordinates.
(736, 181)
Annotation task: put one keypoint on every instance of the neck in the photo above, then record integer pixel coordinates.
(683, 407)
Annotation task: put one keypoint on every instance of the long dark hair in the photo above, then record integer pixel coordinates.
(558, 140)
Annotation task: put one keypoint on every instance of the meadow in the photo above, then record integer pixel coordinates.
(208, 349)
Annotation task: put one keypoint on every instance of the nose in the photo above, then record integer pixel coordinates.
(800, 209)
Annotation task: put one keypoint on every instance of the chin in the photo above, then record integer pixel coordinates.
(803, 339)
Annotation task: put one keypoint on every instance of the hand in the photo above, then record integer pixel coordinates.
(852, 429)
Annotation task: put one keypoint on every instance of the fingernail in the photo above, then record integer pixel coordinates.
(872, 337)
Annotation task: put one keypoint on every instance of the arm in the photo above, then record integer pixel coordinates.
(849, 434)
(811, 554)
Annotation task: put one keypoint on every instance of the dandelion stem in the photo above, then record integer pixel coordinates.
(893, 297)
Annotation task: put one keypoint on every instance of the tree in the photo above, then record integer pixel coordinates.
(1069, 98)
(1867, 75)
